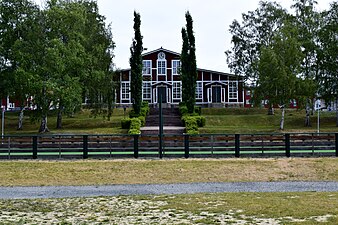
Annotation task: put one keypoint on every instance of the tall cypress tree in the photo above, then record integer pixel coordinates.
(136, 65)
(188, 68)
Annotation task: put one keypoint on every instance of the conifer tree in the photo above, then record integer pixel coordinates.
(136, 65)
(188, 68)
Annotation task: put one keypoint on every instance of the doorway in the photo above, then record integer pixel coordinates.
(162, 91)
(216, 94)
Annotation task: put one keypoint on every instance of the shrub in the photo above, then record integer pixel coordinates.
(200, 121)
(134, 131)
(183, 110)
(133, 114)
(198, 110)
(125, 123)
(143, 120)
(135, 123)
(191, 125)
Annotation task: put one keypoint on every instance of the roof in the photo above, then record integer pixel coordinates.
(161, 49)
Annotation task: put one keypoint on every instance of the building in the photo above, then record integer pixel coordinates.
(161, 76)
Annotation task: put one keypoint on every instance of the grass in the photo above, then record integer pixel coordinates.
(222, 120)
(216, 208)
(220, 208)
(96, 172)
(82, 122)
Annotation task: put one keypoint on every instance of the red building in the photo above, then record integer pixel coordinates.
(161, 75)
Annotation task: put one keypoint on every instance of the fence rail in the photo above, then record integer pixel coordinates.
(138, 146)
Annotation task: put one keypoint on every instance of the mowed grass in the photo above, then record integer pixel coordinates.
(99, 172)
(81, 123)
(252, 120)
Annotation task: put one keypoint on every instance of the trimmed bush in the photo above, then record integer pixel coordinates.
(143, 120)
(134, 131)
(125, 123)
(135, 123)
(200, 121)
(191, 126)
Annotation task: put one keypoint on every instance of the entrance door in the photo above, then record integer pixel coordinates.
(162, 91)
(216, 94)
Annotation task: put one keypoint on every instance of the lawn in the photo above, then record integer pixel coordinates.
(219, 120)
(138, 171)
(203, 208)
(222, 120)
(82, 122)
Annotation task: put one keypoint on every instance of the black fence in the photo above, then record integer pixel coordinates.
(143, 146)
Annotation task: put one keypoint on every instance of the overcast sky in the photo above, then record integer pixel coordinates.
(162, 21)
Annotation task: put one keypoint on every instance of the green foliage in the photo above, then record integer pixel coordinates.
(188, 71)
(134, 131)
(125, 123)
(201, 121)
(135, 124)
(136, 65)
(192, 123)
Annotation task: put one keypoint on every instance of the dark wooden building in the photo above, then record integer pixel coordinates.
(161, 75)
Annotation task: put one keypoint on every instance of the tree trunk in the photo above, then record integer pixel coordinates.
(43, 126)
(282, 119)
(20, 122)
(59, 120)
(307, 117)
(271, 111)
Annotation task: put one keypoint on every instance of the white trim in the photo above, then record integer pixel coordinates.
(177, 68)
(149, 87)
(196, 94)
(232, 82)
(180, 89)
(127, 93)
(165, 68)
(147, 68)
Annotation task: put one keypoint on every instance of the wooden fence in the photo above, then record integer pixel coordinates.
(141, 146)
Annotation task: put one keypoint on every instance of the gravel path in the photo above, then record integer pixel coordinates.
(156, 189)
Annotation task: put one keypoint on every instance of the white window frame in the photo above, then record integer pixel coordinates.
(147, 67)
(161, 68)
(176, 65)
(233, 90)
(146, 90)
(177, 85)
(125, 90)
(199, 90)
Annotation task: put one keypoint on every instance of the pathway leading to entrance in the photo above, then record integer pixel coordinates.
(157, 189)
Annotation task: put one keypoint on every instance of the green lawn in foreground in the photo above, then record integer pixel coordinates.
(223, 120)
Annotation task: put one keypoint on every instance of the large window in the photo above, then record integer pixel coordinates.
(161, 67)
(176, 65)
(146, 67)
(125, 92)
(177, 90)
(146, 90)
(232, 90)
(199, 90)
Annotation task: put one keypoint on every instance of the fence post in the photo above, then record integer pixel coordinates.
(35, 147)
(336, 135)
(85, 146)
(237, 147)
(287, 145)
(186, 146)
(136, 146)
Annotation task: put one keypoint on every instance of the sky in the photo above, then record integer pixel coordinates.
(162, 21)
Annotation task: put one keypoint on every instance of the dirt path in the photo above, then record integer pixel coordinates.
(156, 189)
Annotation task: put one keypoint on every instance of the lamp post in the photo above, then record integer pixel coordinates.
(2, 121)
(318, 106)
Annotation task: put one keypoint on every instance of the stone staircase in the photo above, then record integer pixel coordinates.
(172, 123)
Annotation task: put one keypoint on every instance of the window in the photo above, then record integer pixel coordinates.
(176, 65)
(146, 90)
(161, 67)
(232, 90)
(125, 92)
(177, 90)
(146, 67)
(199, 90)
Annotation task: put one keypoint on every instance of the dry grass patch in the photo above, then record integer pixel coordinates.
(220, 208)
(97, 172)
